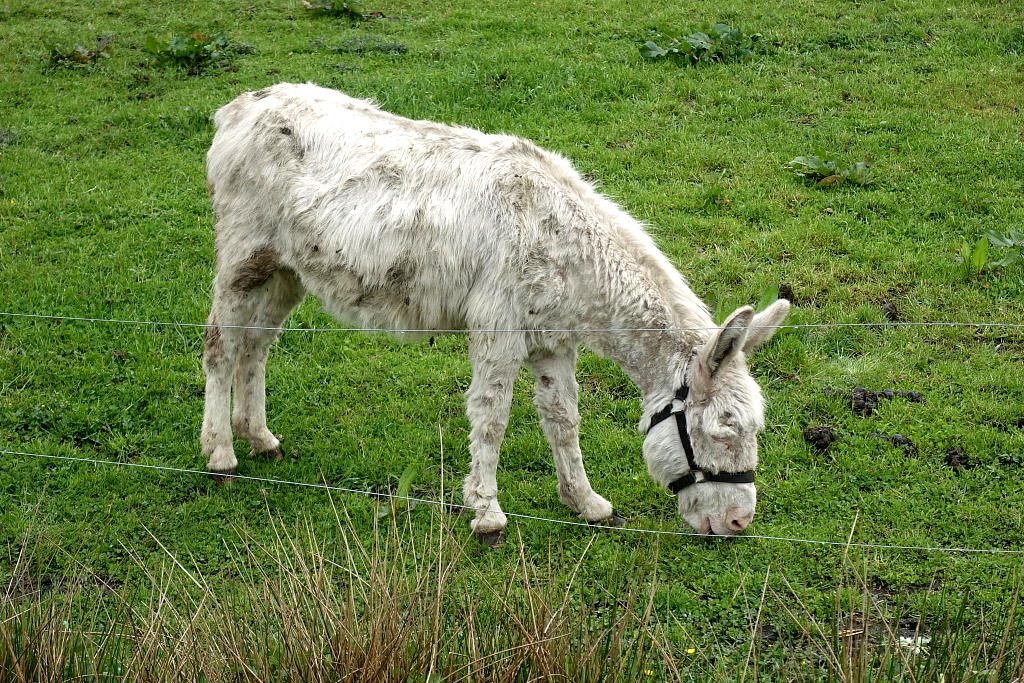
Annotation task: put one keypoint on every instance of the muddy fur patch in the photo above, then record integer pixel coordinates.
(276, 133)
(211, 335)
(256, 269)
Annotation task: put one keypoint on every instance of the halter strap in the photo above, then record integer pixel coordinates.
(690, 478)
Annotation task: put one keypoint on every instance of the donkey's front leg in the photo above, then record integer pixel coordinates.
(488, 400)
(556, 401)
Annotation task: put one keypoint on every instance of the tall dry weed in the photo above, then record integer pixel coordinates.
(389, 605)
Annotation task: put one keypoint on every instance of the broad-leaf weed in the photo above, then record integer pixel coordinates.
(716, 43)
(826, 171)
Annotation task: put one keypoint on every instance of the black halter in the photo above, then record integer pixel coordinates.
(690, 477)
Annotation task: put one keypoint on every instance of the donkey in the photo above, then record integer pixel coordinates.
(413, 225)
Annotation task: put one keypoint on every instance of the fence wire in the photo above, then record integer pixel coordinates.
(516, 515)
(575, 330)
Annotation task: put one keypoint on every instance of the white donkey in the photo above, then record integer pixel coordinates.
(403, 224)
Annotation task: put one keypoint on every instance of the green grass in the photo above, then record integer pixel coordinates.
(103, 212)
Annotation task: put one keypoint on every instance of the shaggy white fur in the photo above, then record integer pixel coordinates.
(407, 224)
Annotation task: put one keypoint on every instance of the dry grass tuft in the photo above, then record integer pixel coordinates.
(381, 607)
(400, 604)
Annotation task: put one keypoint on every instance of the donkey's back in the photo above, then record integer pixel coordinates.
(392, 222)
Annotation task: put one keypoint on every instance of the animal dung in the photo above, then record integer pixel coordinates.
(891, 314)
(864, 401)
(957, 459)
(786, 292)
(820, 437)
(898, 440)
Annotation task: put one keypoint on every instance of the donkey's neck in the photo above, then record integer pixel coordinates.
(647, 357)
(632, 290)
(650, 336)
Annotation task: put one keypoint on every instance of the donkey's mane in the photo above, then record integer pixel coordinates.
(689, 311)
(637, 247)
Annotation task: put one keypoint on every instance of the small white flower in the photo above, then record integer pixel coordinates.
(915, 644)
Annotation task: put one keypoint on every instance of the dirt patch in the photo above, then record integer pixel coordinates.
(1001, 343)
(1007, 425)
(1010, 459)
(957, 460)
(856, 629)
(898, 440)
(864, 401)
(786, 292)
(8, 137)
(28, 587)
(820, 437)
(24, 587)
(891, 314)
(767, 634)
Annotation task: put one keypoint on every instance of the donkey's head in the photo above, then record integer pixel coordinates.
(703, 444)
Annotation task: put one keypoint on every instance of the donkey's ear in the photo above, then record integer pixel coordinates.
(765, 325)
(728, 340)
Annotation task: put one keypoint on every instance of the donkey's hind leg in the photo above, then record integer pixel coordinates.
(277, 297)
(238, 292)
(496, 360)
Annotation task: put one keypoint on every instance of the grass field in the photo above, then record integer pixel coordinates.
(103, 213)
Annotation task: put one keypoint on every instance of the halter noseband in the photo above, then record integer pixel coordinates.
(690, 478)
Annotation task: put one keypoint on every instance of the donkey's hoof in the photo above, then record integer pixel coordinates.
(491, 539)
(223, 477)
(273, 455)
(614, 522)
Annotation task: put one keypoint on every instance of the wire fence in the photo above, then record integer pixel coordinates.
(535, 518)
(389, 330)
(517, 515)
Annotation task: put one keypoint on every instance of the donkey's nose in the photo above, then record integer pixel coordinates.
(737, 519)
